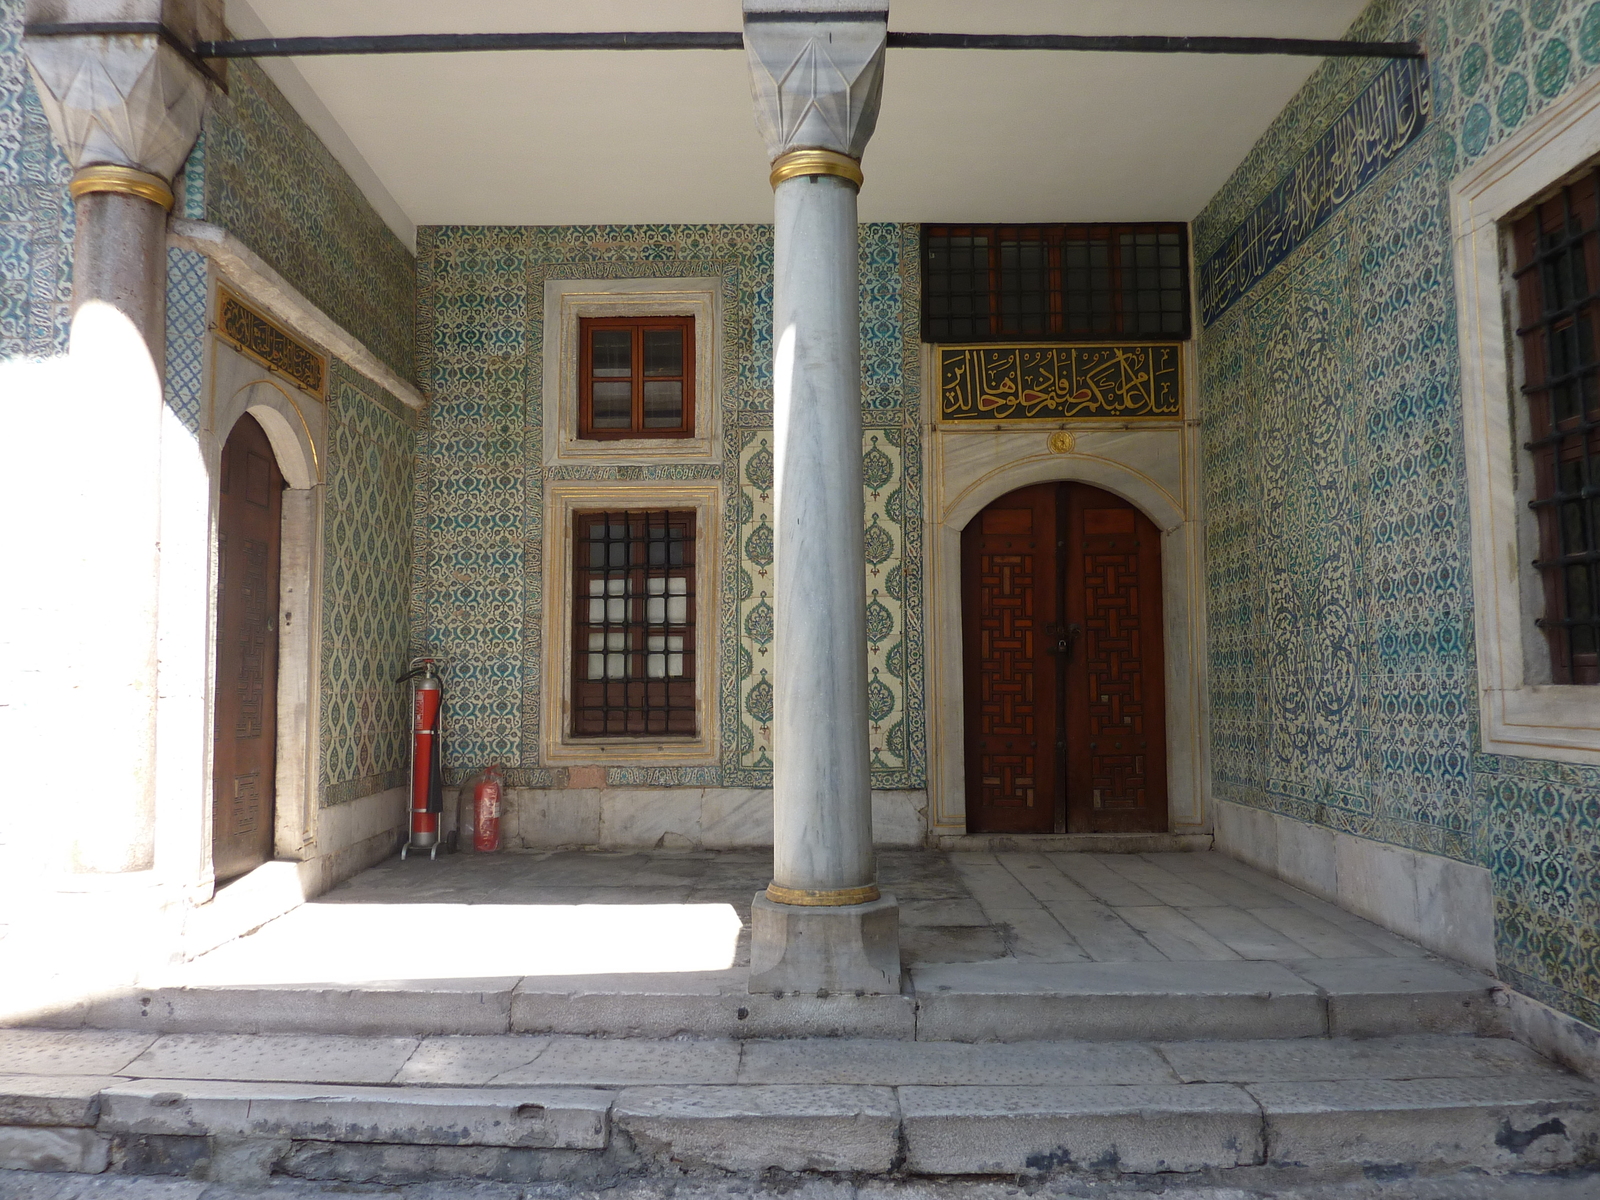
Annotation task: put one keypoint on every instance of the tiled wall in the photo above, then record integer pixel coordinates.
(1341, 654)
(480, 533)
(35, 212)
(366, 582)
(268, 179)
(260, 173)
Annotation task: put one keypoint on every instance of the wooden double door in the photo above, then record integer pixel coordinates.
(1065, 691)
(245, 747)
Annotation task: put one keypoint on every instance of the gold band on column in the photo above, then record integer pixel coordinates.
(822, 899)
(816, 162)
(125, 181)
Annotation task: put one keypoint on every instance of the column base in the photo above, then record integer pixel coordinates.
(850, 949)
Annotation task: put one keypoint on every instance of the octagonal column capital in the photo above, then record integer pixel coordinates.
(816, 72)
(128, 96)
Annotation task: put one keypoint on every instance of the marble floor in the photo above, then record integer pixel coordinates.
(575, 913)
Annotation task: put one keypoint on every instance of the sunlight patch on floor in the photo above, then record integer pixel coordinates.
(363, 943)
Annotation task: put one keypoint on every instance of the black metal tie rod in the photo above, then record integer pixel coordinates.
(452, 43)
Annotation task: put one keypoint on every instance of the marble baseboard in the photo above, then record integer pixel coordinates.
(676, 818)
(1567, 1040)
(1442, 904)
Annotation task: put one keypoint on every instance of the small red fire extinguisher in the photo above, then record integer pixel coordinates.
(486, 798)
(427, 750)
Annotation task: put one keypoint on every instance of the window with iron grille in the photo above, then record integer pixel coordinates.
(1054, 282)
(633, 624)
(1558, 286)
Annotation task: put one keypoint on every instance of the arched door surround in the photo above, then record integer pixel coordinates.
(970, 472)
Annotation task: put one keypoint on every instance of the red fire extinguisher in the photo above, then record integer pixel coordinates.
(427, 772)
(486, 811)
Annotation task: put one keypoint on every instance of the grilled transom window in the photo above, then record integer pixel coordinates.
(1054, 282)
(633, 624)
(1558, 283)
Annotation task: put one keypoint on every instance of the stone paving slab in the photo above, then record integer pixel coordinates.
(394, 1007)
(1503, 1123)
(566, 1118)
(1369, 997)
(1114, 1001)
(32, 1185)
(605, 1062)
(69, 1052)
(701, 1005)
(328, 1058)
(1029, 1130)
(864, 1061)
(788, 1128)
(30, 1149)
(71, 1100)
(1287, 1060)
(470, 1061)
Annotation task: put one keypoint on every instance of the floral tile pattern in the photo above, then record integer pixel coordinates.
(480, 480)
(267, 178)
(35, 212)
(1341, 656)
(366, 629)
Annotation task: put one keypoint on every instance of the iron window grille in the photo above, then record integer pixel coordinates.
(1054, 283)
(633, 659)
(1558, 283)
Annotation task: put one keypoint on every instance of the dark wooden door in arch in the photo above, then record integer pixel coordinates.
(1064, 681)
(245, 754)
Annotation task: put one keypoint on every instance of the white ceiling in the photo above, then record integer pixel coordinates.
(559, 138)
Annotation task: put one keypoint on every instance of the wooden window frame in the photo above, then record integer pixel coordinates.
(639, 325)
(1054, 237)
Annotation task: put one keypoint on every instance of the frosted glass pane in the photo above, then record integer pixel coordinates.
(677, 610)
(613, 405)
(663, 404)
(656, 666)
(597, 666)
(613, 353)
(674, 664)
(663, 352)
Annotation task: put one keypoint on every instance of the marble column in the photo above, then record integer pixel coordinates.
(822, 926)
(125, 109)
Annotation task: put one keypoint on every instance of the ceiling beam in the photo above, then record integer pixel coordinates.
(453, 43)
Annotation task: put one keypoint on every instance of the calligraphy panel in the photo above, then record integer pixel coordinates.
(1366, 137)
(267, 343)
(1129, 381)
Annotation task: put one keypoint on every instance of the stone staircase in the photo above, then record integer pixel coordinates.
(1242, 1070)
(1164, 1020)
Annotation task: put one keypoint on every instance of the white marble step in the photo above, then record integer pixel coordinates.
(830, 1104)
(1007, 1000)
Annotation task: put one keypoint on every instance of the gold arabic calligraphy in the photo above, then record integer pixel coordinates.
(1009, 383)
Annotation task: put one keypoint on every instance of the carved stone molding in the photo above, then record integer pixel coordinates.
(125, 99)
(816, 76)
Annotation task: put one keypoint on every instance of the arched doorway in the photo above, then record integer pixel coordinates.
(1064, 680)
(244, 764)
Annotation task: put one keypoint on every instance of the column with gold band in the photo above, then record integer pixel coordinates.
(822, 926)
(124, 107)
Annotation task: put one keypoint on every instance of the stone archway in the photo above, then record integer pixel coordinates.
(1181, 600)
